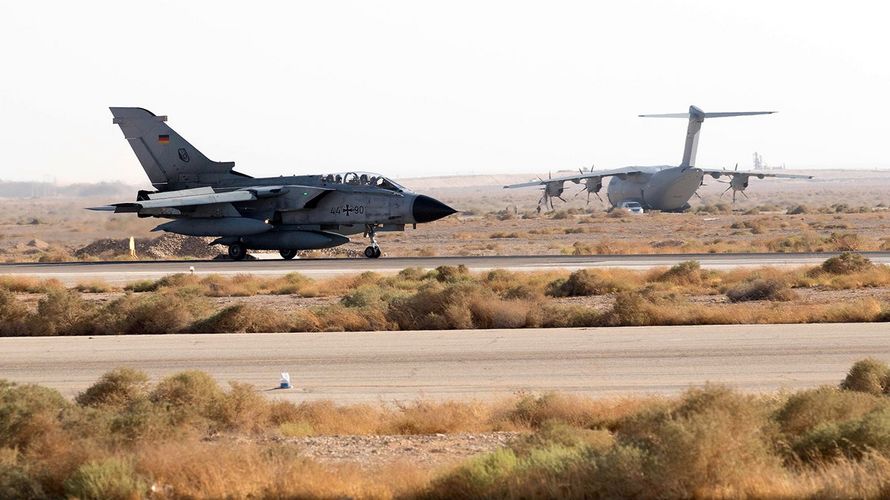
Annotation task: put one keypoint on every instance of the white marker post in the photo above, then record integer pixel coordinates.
(285, 381)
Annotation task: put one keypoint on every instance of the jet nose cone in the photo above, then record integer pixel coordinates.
(427, 209)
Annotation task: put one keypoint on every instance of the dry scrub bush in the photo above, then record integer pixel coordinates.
(293, 284)
(869, 376)
(847, 263)
(27, 284)
(189, 396)
(16, 478)
(460, 305)
(13, 315)
(242, 409)
(806, 410)
(242, 318)
(708, 444)
(451, 274)
(533, 411)
(711, 443)
(93, 286)
(850, 439)
(371, 296)
(167, 311)
(684, 273)
(760, 289)
(583, 282)
(325, 418)
(116, 388)
(112, 478)
(240, 285)
(423, 417)
(338, 318)
(61, 312)
(222, 470)
(27, 413)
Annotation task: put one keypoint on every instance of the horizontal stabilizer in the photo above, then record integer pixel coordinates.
(696, 116)
(696, 113)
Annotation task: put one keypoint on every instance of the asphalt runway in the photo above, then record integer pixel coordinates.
(124, 272)
(474, 364)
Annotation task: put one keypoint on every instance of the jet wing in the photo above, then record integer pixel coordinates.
(205, 196)
(578, 177)
(715, 173)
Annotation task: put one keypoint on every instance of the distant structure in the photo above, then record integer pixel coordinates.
(759, 164)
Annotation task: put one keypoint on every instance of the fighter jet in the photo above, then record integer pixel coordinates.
(666, 188)
(208, 198)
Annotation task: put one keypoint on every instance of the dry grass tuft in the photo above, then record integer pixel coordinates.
(869, 376)
(583, 283)
(760, 289)
(847, 263)
(116, 388)
(684, 273)
(241, 318)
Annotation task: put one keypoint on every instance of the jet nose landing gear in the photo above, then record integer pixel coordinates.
(373, 251)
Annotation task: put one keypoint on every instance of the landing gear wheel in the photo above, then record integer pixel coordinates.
(288, 254)
(237, 251)
(372, 252)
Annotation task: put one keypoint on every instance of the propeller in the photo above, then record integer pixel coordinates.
(552, 189)
(592, 185)
(738, 182)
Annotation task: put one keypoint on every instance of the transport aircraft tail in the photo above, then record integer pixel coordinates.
(696, 116)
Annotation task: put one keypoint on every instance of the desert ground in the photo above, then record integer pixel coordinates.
(421, 412)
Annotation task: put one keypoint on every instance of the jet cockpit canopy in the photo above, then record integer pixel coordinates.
(365, 179)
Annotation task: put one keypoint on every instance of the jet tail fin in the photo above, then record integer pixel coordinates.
(168, 159)
(696, 116)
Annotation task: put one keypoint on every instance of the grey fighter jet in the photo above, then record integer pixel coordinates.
(208, 198)
(666, 188)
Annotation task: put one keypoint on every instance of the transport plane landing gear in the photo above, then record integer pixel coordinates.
(288, 254)
(373, 251)
(237, 251)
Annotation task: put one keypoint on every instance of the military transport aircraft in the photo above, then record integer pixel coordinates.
(208, 198)
(665, 188)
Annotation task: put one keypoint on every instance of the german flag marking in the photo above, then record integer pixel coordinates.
(164, 139)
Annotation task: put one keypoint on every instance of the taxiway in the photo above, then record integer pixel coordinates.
(121, 272)
(466, 364)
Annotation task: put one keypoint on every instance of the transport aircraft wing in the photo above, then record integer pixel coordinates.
(576, 178)
(738, 179)
(715, 173)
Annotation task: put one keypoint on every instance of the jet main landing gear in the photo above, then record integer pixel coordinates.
(237, 251)
(373, 251)
(288, 254)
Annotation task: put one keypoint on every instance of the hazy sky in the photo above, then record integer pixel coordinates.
(427, 88)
